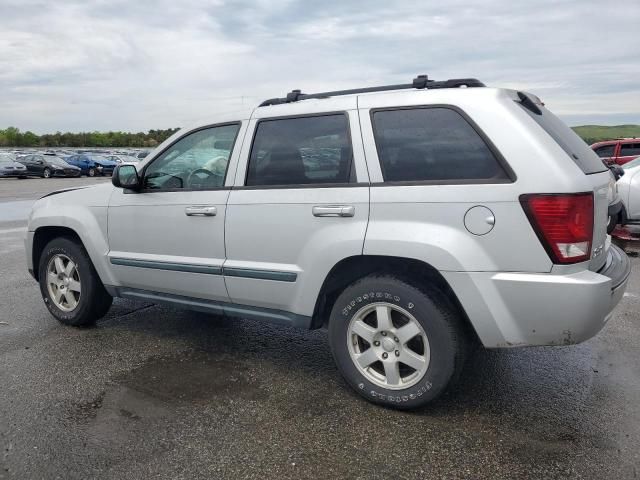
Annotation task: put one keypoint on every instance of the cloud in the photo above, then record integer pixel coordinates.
(99, 65)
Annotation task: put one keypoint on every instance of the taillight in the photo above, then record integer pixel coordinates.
(563, 223)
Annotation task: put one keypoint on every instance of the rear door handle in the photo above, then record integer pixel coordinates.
(333, 211)
(202, 210)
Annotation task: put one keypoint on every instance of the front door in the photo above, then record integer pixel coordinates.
(169, 237)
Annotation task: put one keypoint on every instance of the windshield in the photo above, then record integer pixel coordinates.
(632, 163)
(7, 157)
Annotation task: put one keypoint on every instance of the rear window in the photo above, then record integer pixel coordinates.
(433, 144)
(605, 151)
(571, 143)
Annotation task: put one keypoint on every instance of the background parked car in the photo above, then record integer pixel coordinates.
(48, 166)
(620, 151)
(122, 158)
(10, 168)
(92, 165)
(629, 192)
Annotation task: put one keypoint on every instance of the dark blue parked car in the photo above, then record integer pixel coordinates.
(92, 165)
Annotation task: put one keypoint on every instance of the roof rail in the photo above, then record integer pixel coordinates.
(420, 82)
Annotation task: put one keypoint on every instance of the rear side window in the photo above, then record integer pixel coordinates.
(567, 139)
(629, 149)
(299, 151)
(432, 144)
(605, 151)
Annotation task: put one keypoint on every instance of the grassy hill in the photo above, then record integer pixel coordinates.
(597, 133)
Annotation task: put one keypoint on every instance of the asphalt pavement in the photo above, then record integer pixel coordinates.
(152, 392)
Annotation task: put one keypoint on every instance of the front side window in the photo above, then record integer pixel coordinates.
(301, 151)
(432, 144)
(605, 151)
(630, 149)
(198, 161)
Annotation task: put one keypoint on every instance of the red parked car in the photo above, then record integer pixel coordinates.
(618, 151)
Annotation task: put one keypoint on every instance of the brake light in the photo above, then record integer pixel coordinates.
(563, 223)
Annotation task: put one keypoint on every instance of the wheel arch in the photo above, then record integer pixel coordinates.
(44, 235)
(350, 269)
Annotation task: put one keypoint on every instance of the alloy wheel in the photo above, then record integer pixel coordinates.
(388, 346)
(63, 282)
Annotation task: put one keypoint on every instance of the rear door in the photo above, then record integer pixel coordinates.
(29, 163)
(299, 205)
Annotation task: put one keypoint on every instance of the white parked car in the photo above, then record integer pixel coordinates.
(629, 192)
(411, 220)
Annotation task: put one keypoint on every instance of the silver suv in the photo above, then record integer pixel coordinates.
(411, 220)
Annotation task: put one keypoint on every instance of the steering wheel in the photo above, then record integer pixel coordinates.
(193, 183)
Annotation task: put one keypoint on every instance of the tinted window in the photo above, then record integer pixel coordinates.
(298, 151)
(198, 161)
(629, 149)
(568, 140)
(435, 144)
(605, 151)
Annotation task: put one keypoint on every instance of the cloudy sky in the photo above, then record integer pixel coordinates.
(136, 65)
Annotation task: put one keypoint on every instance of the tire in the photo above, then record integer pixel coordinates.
(91, 172)
(91, 298)
(46, 173)
(612, 222)
(429, 313)
(22, 177)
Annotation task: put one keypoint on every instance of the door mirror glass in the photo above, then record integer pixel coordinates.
(125, 176)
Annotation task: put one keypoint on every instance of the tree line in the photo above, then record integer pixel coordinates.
(13, 137)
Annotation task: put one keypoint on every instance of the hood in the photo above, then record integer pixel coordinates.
(56, 192)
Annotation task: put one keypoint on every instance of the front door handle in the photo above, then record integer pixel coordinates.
(203, 210)
(333, 211)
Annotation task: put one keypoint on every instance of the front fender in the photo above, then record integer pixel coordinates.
(85, 213)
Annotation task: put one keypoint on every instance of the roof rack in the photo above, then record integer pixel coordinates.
(420, 82)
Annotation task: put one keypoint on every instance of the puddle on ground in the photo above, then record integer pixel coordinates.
(193, 378)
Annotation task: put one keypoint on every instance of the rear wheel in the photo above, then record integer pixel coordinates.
(69, 284)
(46, 173)
(397, 345)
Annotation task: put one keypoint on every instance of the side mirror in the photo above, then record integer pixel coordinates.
(126, 176)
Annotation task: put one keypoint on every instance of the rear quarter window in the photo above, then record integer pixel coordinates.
(433, 144)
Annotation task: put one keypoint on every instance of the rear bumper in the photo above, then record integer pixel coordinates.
(522, 309)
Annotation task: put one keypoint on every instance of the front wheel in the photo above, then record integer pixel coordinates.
(46, 173)
(69, 284)
(395, 344)
(92, 172)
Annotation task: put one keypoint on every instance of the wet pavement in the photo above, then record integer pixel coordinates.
(156, 392)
